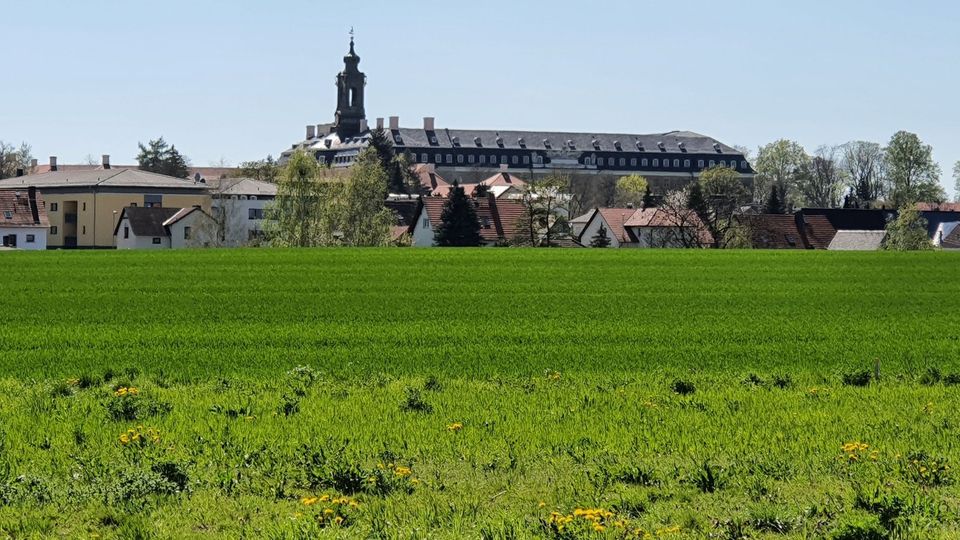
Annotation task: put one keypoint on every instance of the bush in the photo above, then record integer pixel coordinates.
(684, 388)
(414, 402)
(857, 378)
(860, 528)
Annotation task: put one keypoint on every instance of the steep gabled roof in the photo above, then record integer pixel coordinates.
(23, 213)
(952, 240)
(147, 221)
(858, 240)
(498, 218)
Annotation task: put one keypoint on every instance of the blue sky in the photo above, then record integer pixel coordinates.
(238, 80)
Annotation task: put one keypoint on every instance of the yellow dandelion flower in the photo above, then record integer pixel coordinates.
(338, 520)
(456, 426)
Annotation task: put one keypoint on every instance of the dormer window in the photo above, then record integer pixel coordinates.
(476, 141)
(398, 139)
(570, 144)
(456, 141)
(500, 141)
(596, 144)
(716, 146)
(661, 147)
(616, 144)
(682, 146)
(522, 143)
(639, 146)
(546, 144)
(433, 140)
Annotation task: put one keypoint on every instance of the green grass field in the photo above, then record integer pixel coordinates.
(479, 394)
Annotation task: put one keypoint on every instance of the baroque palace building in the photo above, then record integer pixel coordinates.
(668, 160)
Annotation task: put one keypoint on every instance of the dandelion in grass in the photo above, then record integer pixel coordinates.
(455, 427)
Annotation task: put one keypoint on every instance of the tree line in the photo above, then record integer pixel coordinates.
(858, 174)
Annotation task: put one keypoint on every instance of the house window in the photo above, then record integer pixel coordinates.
(526, 160)
(450, 158)
(633, 162)
(645, 162)
(83, 229)
(31, 238)
(713, 163)
(7, 214)
(723, 163)
(676, 163)
(54, 206)
(623, 162)
(686, 164)
(126, 232)
(656, 163)
(84, 207)
(700, 164)
(471, 158)
(485, 222)
(437, 158)
(255, 213)
(425, 222)
(460, 158)
(483, 159)
(743, 165)
(156, 241)
(666, 163)
(133, 204)
(423, 158)
(53, 230)
(252, 198)
(186, 233)
(515, 160)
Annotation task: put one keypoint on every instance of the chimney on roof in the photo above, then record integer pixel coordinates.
(364, 127)
(311, 132)
(19, 172)
(33, 164)
(379, 123)
(394, 122)
(34, 209)
(428, 123)
(105, 161)
(53, 163)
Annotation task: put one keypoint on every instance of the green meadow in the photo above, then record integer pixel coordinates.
(494, 393)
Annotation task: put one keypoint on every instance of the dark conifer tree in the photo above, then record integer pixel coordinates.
(774, 204)
(459, 225)
(600, 240)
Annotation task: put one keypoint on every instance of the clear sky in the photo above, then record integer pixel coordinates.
(238, 80)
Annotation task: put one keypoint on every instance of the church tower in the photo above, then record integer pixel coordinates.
(350, 114)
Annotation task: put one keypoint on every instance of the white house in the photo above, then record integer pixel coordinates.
(238, 207)
(645, 228)
(164, 228)
(23, 219)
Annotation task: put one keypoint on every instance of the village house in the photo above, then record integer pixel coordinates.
(499, 220)
(642, 228)
(238, 206)
(164, 228)
(84, 206)
(23, 219)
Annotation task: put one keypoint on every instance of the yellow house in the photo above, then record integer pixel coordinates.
(84, 206)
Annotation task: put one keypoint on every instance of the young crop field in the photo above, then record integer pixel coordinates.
(510, 393)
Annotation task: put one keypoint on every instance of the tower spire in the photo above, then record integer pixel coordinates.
(351, 41)
(350, 115)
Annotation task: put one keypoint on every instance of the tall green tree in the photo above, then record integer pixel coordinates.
(821, 182)
(774, 203)
(908, 232)
(864, 169)
(362, 218)
(914, 175)
(13, 158)
(162, 158)
(542, 221)
(459, 225)
(396, 166)
(716, 197)
(780, 163)
(631, 190)
(295, 212)
(264, 170)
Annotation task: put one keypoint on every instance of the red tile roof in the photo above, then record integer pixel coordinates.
(784, 231)
(819, 231)
(429, 179)
(499, 219)
(616, 218)
(17, 203)
(939, 207)
(504, 179)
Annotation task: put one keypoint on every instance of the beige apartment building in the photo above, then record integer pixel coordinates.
(83, 206)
